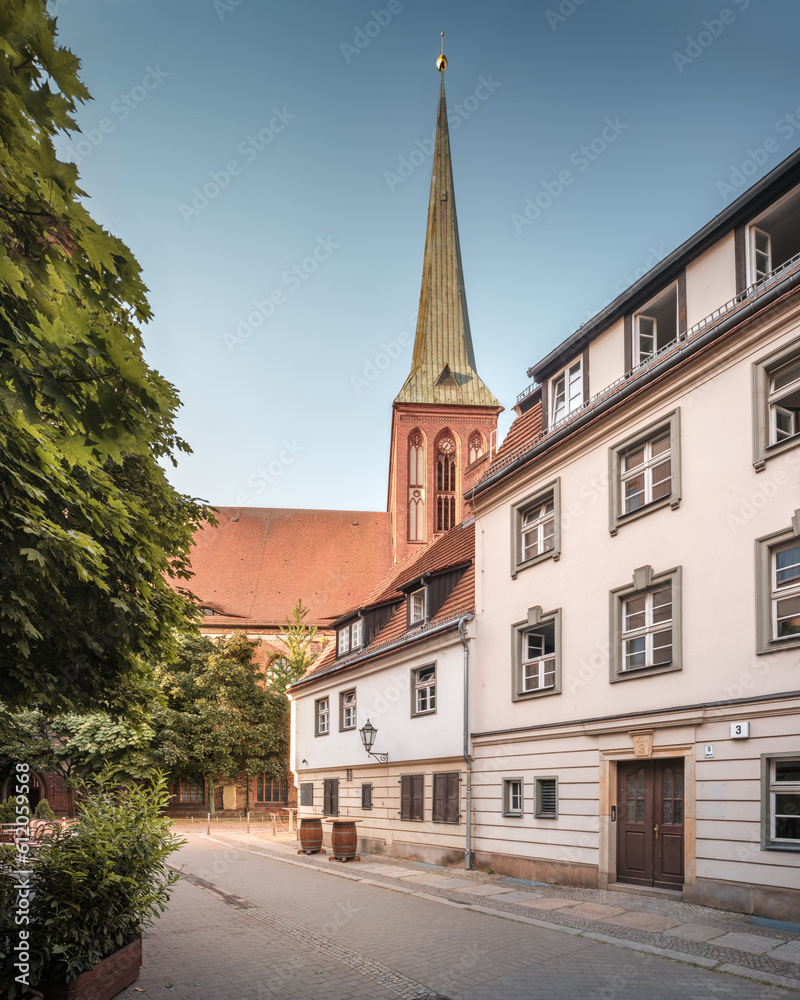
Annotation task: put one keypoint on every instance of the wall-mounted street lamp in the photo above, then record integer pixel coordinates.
(368, 734)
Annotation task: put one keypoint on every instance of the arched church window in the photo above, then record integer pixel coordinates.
(416, 487)
(476, 448)
(445, 483)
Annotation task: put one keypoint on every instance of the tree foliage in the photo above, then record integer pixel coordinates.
(301, 651)
(89, 525)
(220, 721)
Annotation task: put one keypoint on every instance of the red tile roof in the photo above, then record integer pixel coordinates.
(455, 548)
(526, 427)
(255, 565)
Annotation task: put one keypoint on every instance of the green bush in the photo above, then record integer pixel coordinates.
(97, 884)
(8, 809)
(43, 810)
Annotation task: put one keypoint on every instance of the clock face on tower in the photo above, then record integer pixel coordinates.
(447, 446)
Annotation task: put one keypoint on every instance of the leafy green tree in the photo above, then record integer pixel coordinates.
(90, 528)
(220, 721)
(302, 649)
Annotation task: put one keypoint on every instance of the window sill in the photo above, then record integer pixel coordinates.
(553, 554)
(529, 695)
(513, 815)
(621, 520)
(628, 675)
(787, 848)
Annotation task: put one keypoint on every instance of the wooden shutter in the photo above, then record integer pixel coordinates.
(547, 797)
(440, 798)
(453, 798)
(326, 797)
(418, 796)
(405, 796)
(330, 805)
(366, 796)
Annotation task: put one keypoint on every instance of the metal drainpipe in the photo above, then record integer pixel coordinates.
(461, 622)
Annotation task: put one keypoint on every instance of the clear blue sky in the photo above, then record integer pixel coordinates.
(298, 118)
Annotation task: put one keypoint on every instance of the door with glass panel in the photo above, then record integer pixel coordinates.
(650, 816)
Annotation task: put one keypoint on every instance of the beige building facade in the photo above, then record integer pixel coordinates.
(637, 691)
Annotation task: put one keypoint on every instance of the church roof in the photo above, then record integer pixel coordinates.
(443, 364)
(251, 569)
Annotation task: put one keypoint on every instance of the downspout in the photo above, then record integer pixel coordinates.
(467, 760)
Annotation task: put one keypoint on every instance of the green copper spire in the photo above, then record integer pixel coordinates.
(443, 365)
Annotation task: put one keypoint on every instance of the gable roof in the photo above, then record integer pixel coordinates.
(455, 548)
(258, 561)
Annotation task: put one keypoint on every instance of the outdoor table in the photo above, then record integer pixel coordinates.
(310, 835)
(344, 839)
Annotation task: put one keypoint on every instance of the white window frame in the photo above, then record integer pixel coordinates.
(650, 631)
(513, 797)
(639, 354)
(347, 710)
(423, 692)
(766, 405)
(343, 642)
(645, 584)
(759, 273)
(520, 511)
(322, 716)
(567, 386)
(617, 516)
(768, 591)
(534, 623)
(535, 670)
(417, 601)
(770, 788)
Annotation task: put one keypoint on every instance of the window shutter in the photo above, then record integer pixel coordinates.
(418, 794)
(334, 796)
(453, 798)
(440, 798)
(547, 796)
(405, 797)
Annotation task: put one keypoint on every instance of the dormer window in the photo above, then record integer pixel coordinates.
(774, 237)
(566, 391)
(655, 325)
(416, 607)
(350, 637)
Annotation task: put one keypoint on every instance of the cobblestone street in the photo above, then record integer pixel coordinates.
(251, 918)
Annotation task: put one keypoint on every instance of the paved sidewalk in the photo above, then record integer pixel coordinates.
(252, 918)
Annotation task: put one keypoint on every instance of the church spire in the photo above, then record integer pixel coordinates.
(443, 364)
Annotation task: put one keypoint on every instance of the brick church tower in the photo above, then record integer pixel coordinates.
(444, 418)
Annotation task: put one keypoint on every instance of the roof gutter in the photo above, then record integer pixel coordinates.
(689, 348)
(743, 207)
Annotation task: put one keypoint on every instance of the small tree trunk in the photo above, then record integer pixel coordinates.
(210, 785)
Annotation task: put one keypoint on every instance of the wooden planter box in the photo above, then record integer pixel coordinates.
(110, 976)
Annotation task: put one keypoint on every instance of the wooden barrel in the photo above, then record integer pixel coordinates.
(310, 834)
(344, 839)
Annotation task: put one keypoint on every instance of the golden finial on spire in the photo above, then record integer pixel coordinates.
(441, 62)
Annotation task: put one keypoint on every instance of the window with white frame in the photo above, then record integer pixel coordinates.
(778, 589)
(322, 717)
(655, 325)
(776, 403)
(512, 796)
(646, 624)
(535, 528)
(350, 637)
(423, 691)
(536, 655)
(416, 607)
(781, 802)
(347, 710)
(774, 237)
(566, 391)
(644, 471)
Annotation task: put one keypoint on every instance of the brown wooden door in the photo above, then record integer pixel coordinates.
(650, 823)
